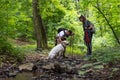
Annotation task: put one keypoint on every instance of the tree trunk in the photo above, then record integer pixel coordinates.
(111, 27)
(43, 32)
(36, 24)
(39, 28)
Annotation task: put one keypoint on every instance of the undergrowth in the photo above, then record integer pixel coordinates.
(6, 48)
(106, 55)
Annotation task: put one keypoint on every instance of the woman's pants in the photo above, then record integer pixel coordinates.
(88, 41)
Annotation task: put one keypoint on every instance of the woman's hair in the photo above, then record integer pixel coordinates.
(82, 17)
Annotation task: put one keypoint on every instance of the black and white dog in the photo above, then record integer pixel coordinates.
(58, 50)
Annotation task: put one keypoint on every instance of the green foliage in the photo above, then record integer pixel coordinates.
(98, 67)
(92, 65)
(81, 72)
(28, 48)
(8, 49)
(102, 42)
(16, 19)
(87, 65)
(107, 55)
(16, 22)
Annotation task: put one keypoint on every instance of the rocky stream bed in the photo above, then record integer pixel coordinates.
(71, 68)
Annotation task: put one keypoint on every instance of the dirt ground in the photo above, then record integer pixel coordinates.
(70, 68)
(74, 68)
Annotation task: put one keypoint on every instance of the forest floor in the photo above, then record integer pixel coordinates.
(73, 67)
(70, 68)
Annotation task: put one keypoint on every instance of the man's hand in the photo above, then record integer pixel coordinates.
(72, 34)
(59, 40)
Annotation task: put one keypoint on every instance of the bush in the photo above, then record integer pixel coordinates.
(8, 49)
(107, 55)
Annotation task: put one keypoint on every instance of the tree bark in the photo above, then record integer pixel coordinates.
(43, 32)
(38, 27)
(111, 27)
(36, 24)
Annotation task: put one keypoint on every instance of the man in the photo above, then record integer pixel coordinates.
(61, 36)
(88, 29)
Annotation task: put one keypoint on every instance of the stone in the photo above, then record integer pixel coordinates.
(26, 67)
(49, 66)
(12, 74)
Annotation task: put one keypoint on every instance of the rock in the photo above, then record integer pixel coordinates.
(2, 75)
(34, 68)
(58, 69)
(71, 70)
(89, 70)
(34, 78)
(26, 67)
(49, 66)
(12, 74)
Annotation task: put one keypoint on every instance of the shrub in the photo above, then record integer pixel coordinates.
(107, 55)
(8, 49)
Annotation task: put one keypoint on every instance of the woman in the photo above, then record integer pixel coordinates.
(88, 32)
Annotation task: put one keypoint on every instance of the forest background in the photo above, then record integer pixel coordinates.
(37, 21)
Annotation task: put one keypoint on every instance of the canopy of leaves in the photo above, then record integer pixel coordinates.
(16, 19)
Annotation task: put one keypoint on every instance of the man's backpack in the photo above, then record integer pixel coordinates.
(61, 29)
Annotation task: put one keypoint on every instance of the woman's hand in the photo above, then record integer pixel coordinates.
(91, 27)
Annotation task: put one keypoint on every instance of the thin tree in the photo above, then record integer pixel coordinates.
(111, 27)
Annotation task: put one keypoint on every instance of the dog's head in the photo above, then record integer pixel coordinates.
(65, 43)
